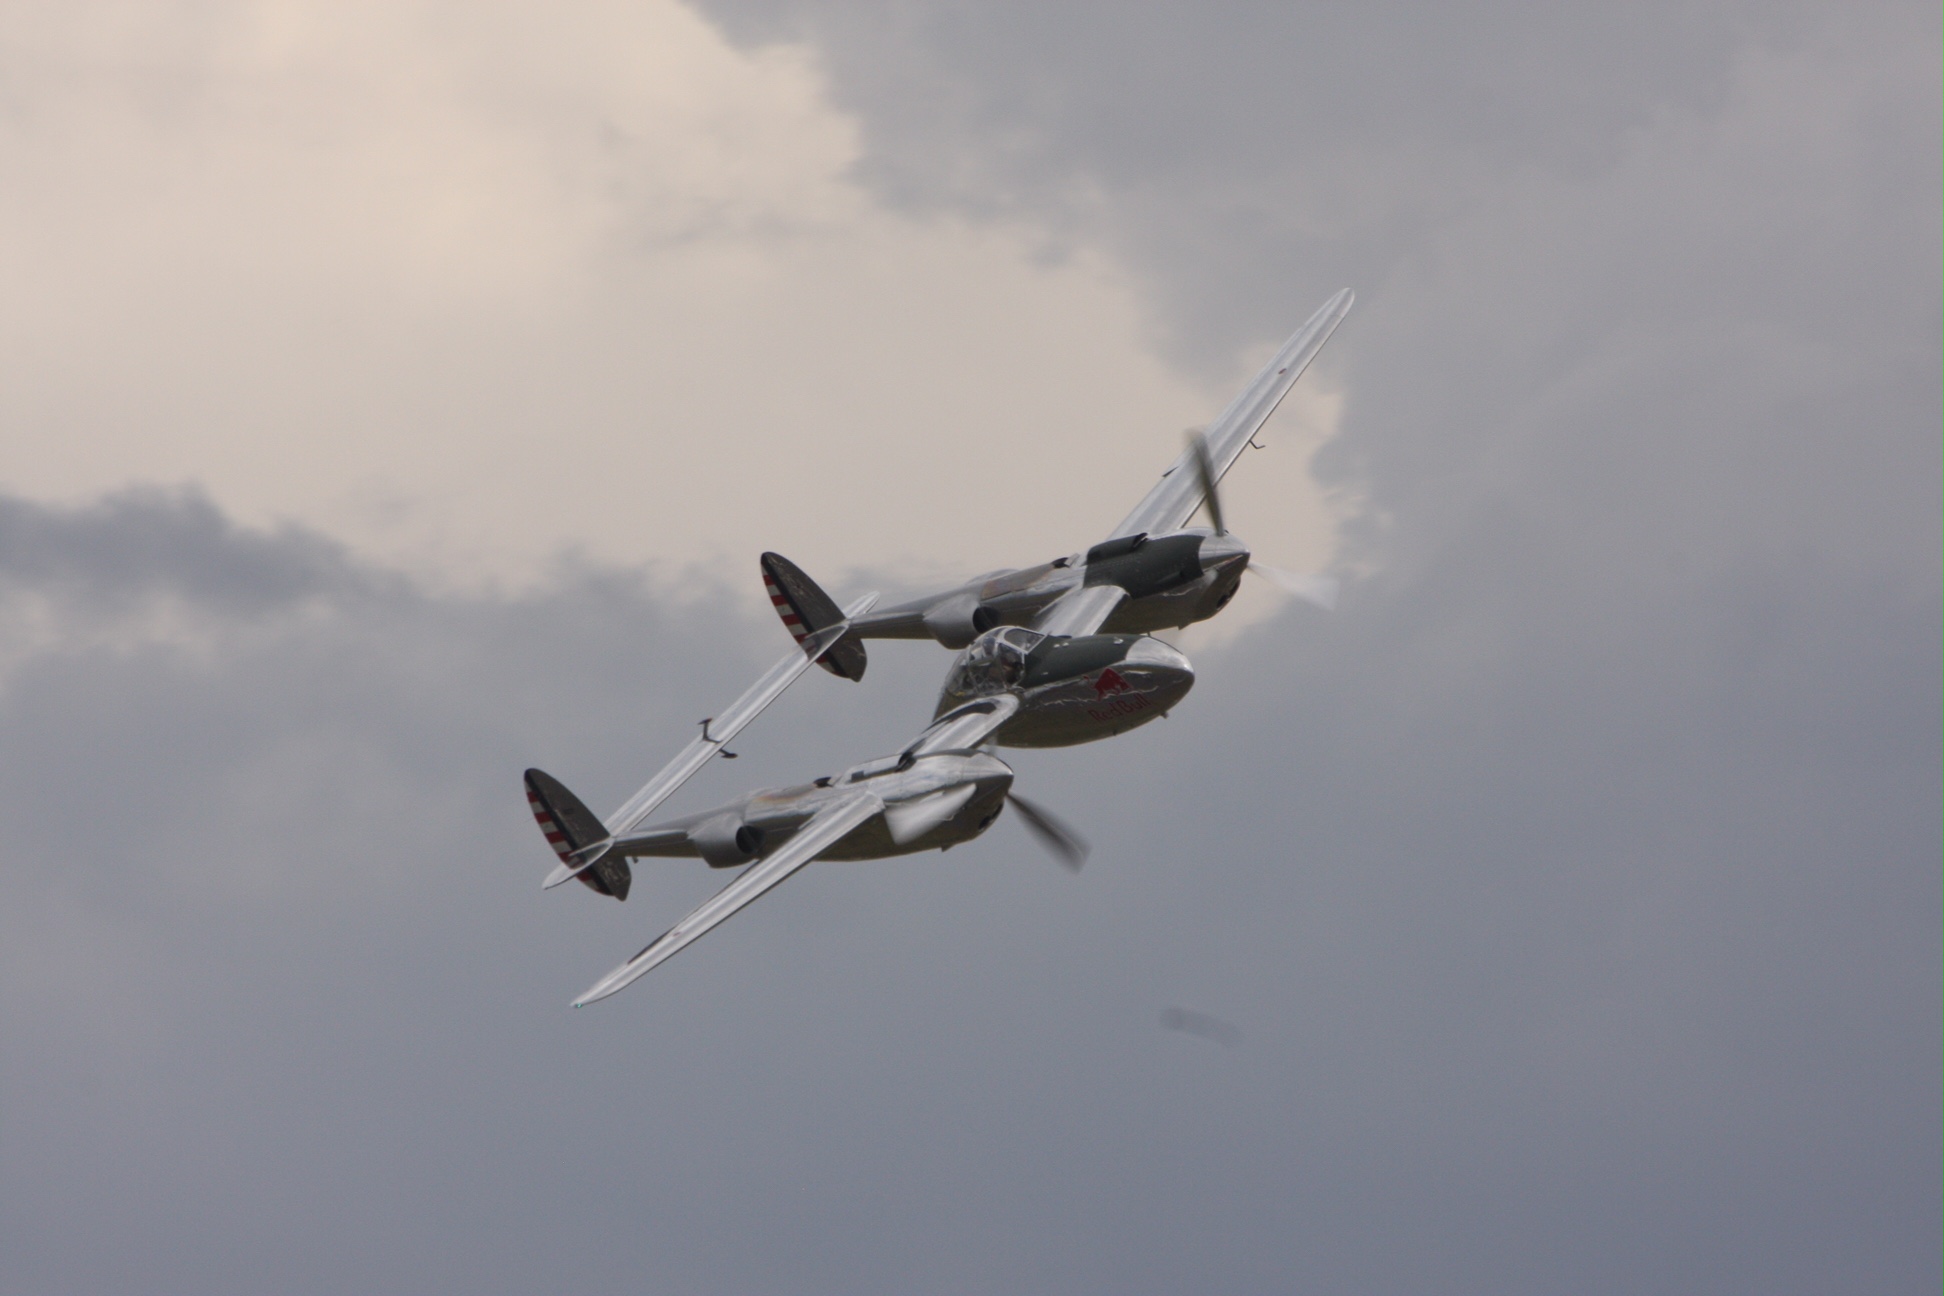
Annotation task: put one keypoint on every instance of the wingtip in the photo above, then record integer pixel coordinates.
(607, 985)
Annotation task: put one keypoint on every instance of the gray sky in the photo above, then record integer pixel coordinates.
(399, 398)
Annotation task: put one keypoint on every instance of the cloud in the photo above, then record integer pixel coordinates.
(1575, 882)
(1231, 150)
(285, 1004)
(1620, 765)
(467, 287)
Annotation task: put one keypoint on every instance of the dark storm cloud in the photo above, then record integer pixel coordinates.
(272, 884)
(1614, 791)
(144, 544)
(1251, 157)
(1574, 887)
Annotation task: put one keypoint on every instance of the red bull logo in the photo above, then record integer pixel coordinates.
(1110, 683)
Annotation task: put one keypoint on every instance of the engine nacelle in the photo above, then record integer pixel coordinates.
(1144, 565)
(958, 620)
(726, 841)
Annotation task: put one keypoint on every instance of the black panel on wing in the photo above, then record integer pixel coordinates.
(806, 609)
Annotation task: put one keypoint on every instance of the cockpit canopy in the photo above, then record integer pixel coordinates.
(995, 662)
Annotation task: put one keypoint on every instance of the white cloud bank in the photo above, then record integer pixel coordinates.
(468, 285)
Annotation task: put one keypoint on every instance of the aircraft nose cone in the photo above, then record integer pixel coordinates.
(1154, 655)
(1160, 672)
(1220, 551)
(987, 768)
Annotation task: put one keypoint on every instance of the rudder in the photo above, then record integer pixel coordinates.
(568, 826)
(806, 609)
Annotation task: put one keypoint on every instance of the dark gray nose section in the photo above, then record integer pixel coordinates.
(1163, 662)
(1221, 551)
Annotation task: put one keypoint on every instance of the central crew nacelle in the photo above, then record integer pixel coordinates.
(1072, 689)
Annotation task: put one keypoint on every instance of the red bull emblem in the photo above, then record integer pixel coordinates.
(1110, 683)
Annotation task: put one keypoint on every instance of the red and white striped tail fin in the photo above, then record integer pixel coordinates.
(569, 827)
(781, 602)
(806, 609)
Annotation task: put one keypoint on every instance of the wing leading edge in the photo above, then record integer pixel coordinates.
(1178, 494)
(823, 830)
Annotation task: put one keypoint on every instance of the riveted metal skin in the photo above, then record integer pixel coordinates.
(725, 840)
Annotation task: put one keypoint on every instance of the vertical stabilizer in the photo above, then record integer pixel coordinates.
(806, 609)
(570, 826)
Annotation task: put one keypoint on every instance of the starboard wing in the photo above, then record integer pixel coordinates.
(823, 830)
(1178, 494)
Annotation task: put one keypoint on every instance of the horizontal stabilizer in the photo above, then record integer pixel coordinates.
(725, 725)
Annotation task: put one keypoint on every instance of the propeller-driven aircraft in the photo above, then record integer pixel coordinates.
(1049, 656)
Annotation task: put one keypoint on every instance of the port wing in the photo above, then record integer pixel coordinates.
(824, 830)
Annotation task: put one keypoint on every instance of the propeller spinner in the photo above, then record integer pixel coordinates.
(1311, 587)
